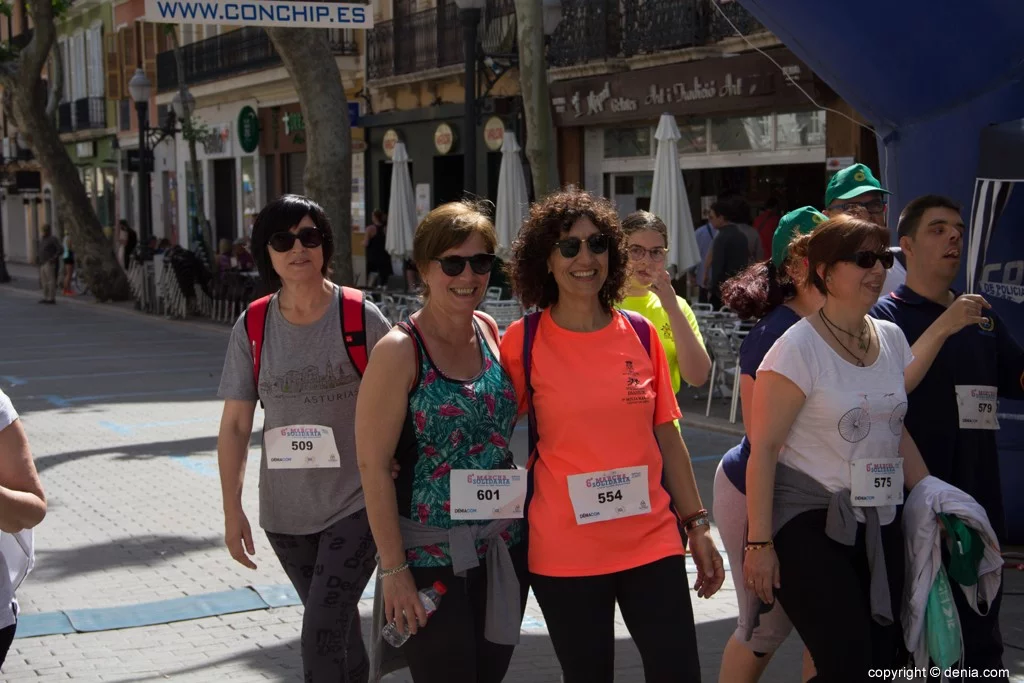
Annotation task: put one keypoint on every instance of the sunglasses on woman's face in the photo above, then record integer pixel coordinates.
(311, 238)
(452, 266)
(868, 259)
(570, 246)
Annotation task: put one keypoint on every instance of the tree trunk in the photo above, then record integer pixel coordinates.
(328, 178)
(540, 144)
(187, 131)
(28, 106)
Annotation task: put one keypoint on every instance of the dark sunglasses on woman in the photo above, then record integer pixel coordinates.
(868, 259)
(570, 246)
(452, 266)
(311, 238)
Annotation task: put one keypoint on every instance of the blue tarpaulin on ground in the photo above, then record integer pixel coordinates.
(930, 76)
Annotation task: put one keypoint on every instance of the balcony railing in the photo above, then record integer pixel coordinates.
(235, 52)
(595, 30)
(433, 38)
(65, 119)
(82, 114)
(90, 112)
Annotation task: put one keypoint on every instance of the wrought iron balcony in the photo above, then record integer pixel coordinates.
(90, 112)
(82, 114)
(235, 52)
(743, 20)
(65, 118)
(431, 39)
(596, 30)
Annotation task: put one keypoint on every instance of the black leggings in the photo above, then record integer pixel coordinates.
(655, 603)
(6, 639)
(825, 592)
(329, 571)
(451, 648)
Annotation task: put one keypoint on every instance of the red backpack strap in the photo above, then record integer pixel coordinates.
(353, 327)
(641, 327)
(255, 328)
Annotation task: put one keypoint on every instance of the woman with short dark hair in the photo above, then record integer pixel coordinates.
(310, 498)
(610, 470)
(436, 399)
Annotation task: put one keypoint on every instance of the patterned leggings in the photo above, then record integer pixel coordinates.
(329, 571)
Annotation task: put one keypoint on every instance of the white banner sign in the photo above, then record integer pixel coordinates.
(261, 13)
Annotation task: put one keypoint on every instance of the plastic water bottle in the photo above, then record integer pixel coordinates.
(429, 598)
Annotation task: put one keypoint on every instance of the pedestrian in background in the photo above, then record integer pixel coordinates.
(22, 507)
(48, 255)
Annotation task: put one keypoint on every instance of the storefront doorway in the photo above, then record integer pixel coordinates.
(225, 208)
(449, 175)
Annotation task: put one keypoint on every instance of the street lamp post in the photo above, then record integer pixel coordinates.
(469, 17)
(140, 89)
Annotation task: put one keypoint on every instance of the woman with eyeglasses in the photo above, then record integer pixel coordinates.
(310, 498)
(649, 292)
(830, 460)
(612, 479)
(436, 398)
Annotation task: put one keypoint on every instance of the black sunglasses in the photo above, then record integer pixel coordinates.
(868, 259)
(311, 238)
(452, 266)
(570, 246)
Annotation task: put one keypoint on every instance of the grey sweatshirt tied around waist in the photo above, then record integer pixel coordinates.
(796, 493)
(503, 619)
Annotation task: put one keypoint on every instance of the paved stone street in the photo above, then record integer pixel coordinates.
(122, 415)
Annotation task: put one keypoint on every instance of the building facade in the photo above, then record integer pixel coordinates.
(751, 122)
(237, 79)
(415, 82)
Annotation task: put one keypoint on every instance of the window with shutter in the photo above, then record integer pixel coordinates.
(78, 63)
(96, 58)
(66, 76)
(148, 49)
(114, 74)
(129, 60)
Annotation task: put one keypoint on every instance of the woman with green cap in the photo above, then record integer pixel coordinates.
(773, 292)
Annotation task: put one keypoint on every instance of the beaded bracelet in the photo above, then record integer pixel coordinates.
(385, 573)
(758, 545)
(697, 515)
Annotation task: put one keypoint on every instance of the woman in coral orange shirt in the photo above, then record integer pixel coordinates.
(611, 477)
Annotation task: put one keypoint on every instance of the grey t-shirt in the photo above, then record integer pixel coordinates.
(306, 377)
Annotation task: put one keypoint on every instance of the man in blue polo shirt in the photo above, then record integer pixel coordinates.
(964, 359)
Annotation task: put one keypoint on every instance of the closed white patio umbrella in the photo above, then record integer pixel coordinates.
(513, 200)
(668, 198)
(401, 206)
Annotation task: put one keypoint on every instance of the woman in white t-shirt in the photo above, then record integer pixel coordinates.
(829, 462)
(22, 506)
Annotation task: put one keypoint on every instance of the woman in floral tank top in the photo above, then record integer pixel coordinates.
(436, 398)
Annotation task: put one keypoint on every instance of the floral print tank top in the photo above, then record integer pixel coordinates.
(450, 425)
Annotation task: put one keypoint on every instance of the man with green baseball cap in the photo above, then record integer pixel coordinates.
(855, 191)
(797, 222)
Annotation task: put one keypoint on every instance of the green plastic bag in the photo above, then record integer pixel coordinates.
(942, 623)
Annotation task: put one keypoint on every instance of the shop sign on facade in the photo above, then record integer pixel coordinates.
(444, 138)
(218, 141)
(248, 130)
(494, 133)
(391, 139)
(689, 89)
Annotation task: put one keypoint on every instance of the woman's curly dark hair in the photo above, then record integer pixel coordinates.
(760, 289)
(549, 220)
